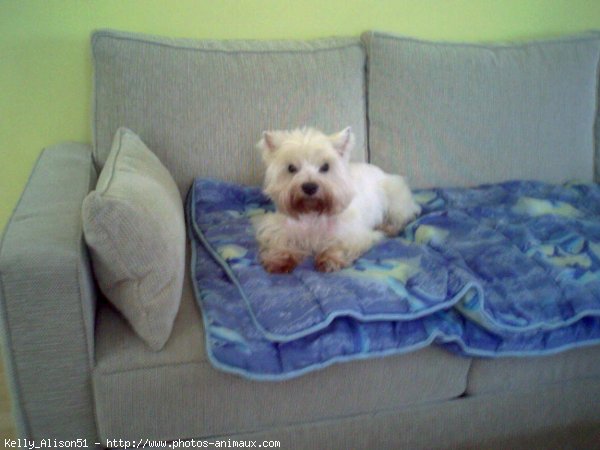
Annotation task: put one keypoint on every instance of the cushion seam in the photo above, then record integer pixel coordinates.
(101, 371)
(89, 344)
(493, 45)
(114, 165)
(178, 44)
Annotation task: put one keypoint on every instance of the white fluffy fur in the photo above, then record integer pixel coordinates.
(354, 205)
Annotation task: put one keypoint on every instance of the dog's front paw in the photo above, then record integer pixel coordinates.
(331, 260)
(390, 229)
(393, 225)
(279, 261)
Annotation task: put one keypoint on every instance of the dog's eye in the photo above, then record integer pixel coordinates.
(292, 168)
(324, 168)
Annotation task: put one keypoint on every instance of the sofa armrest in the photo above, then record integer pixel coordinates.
(48, 299)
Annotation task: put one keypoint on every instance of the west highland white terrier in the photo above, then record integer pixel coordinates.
(326, 206)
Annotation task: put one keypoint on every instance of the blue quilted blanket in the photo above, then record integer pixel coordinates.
(510, 269)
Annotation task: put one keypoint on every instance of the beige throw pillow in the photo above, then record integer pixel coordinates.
(134, 225)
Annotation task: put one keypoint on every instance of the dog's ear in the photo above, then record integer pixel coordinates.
(343, 142)
(270, 141)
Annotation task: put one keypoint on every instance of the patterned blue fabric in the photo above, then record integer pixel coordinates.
(499, 270)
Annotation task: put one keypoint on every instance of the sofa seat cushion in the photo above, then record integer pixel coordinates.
(460, 114)
(176, 393)
(201, 105)
(529, 374)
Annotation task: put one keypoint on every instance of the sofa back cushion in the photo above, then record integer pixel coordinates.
(456, 114)
(202, 105)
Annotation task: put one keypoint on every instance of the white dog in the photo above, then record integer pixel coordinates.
(326, 206)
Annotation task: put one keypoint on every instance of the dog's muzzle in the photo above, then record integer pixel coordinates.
(310, 198)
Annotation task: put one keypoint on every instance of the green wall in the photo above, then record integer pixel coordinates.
(45, 68)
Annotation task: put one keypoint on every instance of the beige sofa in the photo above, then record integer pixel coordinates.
(440, 113)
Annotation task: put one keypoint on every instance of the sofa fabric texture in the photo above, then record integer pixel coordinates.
(201, 106)
(48, 298)
(488, 376)
(514, 420)
(134, 225)
(454, 114)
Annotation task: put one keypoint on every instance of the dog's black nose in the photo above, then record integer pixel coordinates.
(310, 188)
